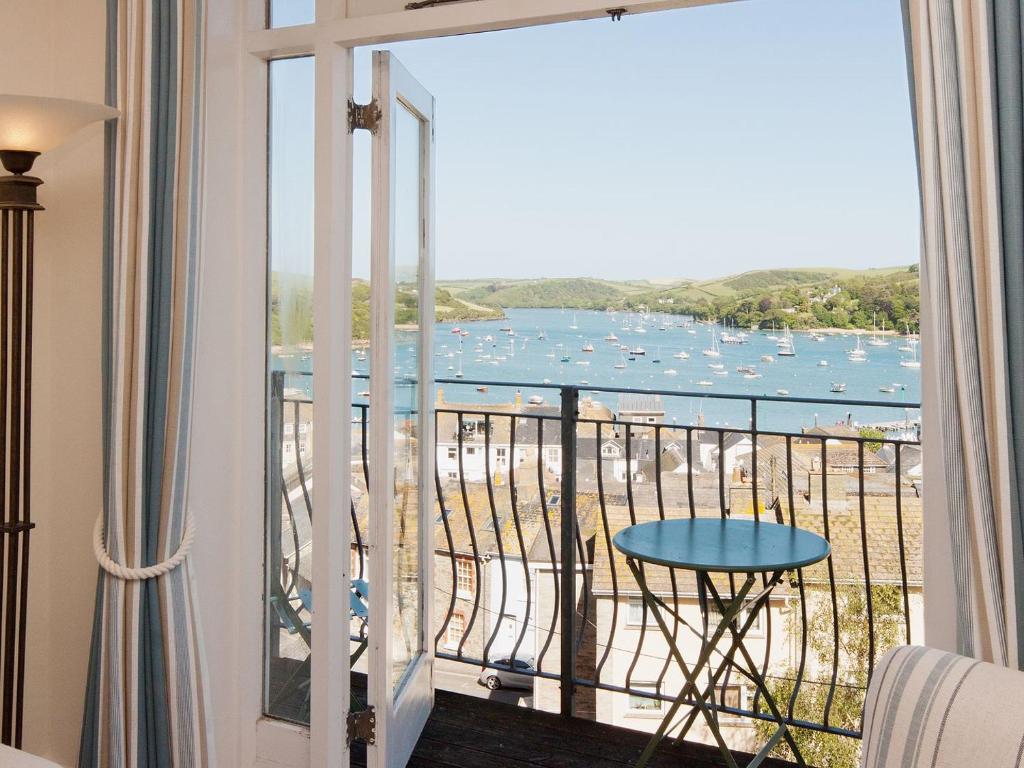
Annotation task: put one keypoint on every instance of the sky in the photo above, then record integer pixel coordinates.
(684, 144)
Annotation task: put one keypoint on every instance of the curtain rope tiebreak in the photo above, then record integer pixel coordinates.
(150, 571)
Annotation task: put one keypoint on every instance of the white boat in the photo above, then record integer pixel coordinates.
(588, 347)
(858, 354)
(913, 362)
(823, 363)
(638, 351)
(785, 345)
(622, 362)
(716, 366)
(783, 392)
(837, 386)
(745, 369)
(705, 383)
(582, 362)
(671, 372)
(713, 350)
(752, 376)
(767, 358)
(573, 326)
(887, 388)
(876, 340)
(681, 355)
(541, 336)
(611, 337)
(720, 373)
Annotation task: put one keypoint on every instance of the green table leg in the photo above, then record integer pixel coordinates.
(691, 686)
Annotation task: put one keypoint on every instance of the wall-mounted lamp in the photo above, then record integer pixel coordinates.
(29, 125)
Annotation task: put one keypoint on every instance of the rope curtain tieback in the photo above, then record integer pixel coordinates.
(150, 571)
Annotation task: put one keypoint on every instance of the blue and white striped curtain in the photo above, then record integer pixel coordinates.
(965, 60)
(145, 702)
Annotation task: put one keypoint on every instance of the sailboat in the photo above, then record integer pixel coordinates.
(622, 362)
(911, 340)
(588, 347)
(682, 355)
(573, 326)
(713, 350)
(913, 362)
(657, 355)
(857, 355)
(772, 336)
(876, 340)
(785, 345)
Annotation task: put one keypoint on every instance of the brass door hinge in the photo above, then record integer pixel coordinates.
(363, 116)
(362, 726)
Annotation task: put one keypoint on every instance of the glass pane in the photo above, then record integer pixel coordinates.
(289, 13)
(408, 323)
(289, 592)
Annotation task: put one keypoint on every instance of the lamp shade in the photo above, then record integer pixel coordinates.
(38, 124)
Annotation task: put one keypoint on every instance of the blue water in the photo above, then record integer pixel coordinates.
(528, 359)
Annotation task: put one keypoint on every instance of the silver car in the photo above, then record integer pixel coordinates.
(520, 676)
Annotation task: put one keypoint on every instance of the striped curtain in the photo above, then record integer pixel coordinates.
(965, 59)
(145, 702)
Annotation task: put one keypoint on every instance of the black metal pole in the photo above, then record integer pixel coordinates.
(17, 211)
(567, 673)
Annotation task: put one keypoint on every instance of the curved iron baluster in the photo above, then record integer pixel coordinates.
(551, 543)
(451, 548)
(632, 520)
(671, 571)
(800, 582)
(867, 564)
(611, 558)
(513, 500)
(831, 585)
(472, 540)
(497, 539)
(899, 531)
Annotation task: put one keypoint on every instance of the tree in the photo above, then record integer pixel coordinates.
(872, 434)
(825, 750)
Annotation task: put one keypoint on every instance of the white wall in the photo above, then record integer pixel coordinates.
(56, 48)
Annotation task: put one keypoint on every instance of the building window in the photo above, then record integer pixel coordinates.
(644, 705)
(635, 612)
(453, 453)
(610, 450)
(471, 451)
(465, 577)
(756, 629)
(453, 475)
(289, 428)
(651, 419)
(501, 454)
(552, 454)
(456, 629)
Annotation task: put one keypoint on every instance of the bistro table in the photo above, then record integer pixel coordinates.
(726, 546)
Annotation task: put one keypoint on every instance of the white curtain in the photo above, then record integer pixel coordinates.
(971, 322)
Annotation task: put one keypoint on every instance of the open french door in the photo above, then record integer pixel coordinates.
(400, 667)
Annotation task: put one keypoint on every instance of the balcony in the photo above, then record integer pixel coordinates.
(511, 543)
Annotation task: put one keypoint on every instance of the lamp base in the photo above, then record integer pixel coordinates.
(19, 191)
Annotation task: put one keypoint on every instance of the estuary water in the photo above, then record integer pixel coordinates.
(542, 338)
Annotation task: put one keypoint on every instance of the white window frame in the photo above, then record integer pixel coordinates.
(657, 707)
(234, 310)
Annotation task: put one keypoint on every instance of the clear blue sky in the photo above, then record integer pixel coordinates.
(692, 143)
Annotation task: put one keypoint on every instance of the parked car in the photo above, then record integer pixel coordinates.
(519, 676)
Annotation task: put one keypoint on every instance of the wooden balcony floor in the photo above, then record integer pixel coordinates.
(464, 731)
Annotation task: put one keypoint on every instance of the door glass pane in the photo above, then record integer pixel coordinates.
(289, 13)
(289, 480)
(408, 594)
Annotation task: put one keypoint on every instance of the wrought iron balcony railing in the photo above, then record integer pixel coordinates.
(527, 508)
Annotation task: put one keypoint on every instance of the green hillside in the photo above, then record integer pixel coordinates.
(576, 293)
(291, 315)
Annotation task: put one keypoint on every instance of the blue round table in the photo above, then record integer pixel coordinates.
(709, 546)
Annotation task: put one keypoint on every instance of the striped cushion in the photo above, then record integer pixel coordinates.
(931, 708)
